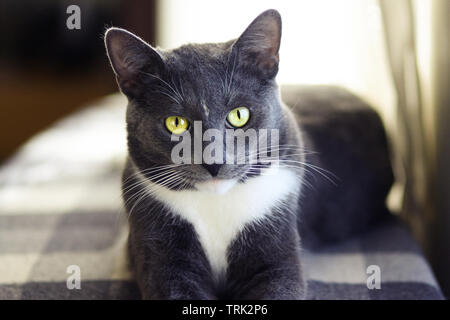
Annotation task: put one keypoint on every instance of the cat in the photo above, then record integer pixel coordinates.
(234, 230)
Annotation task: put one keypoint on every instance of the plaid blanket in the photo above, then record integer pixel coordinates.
(60, 209)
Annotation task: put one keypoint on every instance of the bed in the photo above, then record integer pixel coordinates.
(60, 207)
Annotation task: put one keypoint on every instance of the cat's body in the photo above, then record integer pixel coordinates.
(238, 244)
(204, 245)
(208, 231)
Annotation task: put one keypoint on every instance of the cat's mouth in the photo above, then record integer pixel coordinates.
(215, 185)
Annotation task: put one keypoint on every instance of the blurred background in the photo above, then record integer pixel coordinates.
(47, 70)
(395, 54)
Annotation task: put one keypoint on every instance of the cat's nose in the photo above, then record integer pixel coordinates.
(212, 168)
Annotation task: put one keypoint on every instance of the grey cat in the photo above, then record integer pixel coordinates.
(232, 231)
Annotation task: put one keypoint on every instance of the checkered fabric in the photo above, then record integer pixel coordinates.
(60, 206)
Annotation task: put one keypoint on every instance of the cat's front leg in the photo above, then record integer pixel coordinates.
(177, 286)
(277, 283)
(265, 263)
(173, 280)
(171, 268)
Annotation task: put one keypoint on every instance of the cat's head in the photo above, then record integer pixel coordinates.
(220, 86)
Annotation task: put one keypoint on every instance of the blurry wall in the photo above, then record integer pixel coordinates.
(47, 70)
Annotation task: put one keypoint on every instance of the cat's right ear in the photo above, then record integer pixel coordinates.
(257, 48)
(131, 58)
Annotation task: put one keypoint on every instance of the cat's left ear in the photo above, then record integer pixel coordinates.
(258, 46)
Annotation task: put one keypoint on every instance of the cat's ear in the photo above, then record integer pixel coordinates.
(258, 46)
(131, 58)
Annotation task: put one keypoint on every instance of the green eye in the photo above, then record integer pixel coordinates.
(238, 117)
(176, 124)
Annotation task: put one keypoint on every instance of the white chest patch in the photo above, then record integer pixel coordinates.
(219, 216)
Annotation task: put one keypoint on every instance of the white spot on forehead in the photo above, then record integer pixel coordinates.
(205, 109)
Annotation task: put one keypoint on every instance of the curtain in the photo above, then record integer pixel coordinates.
(417, 42)
(410, 157)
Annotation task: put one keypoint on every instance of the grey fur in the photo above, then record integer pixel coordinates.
(204, 82)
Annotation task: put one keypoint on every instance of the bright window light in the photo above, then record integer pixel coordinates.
(323, 42)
